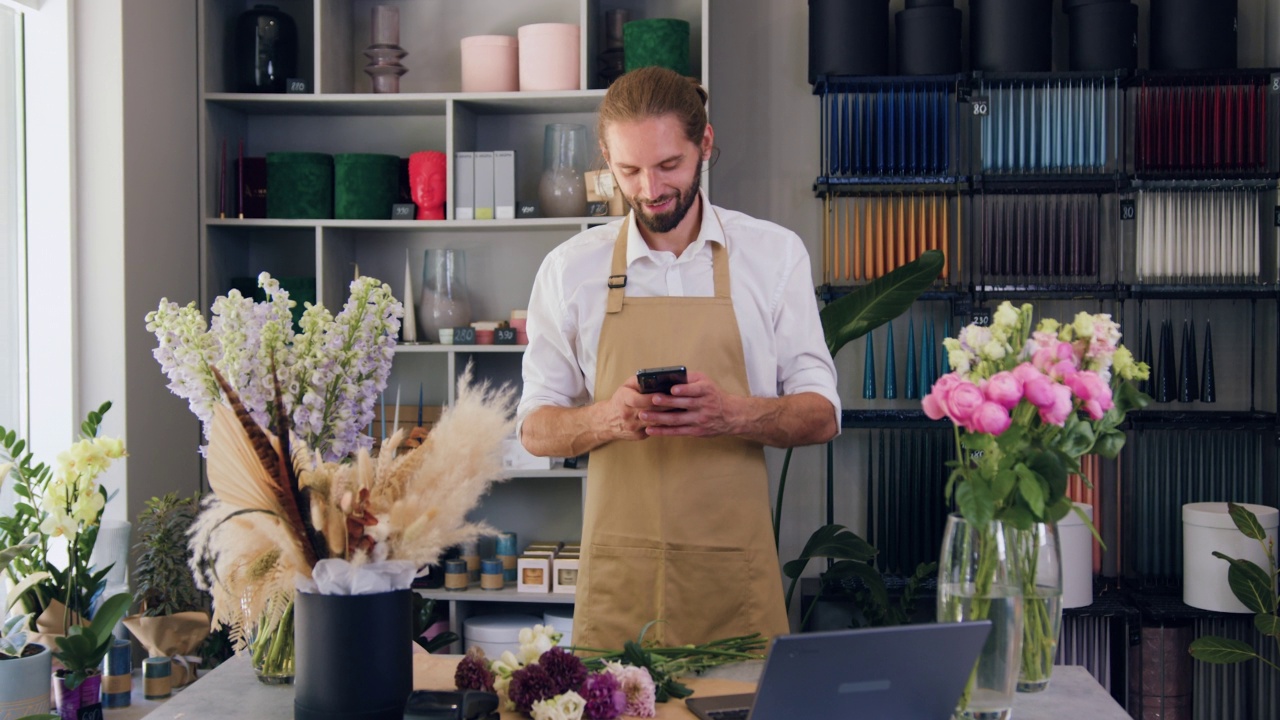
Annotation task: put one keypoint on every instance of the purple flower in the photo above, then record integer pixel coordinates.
(604, 696)
(530, 684)
(565, 669)
(472, 674)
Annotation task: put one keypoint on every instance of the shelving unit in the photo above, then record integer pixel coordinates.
(338, 114)
(1013, 131)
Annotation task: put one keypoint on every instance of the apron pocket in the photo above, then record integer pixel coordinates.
(710, 594)
(624, 591)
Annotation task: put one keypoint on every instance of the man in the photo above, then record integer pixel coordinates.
(676, 524)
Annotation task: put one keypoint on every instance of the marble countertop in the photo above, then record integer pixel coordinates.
(231, 691)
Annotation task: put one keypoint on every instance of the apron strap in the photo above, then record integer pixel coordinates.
(618, 269)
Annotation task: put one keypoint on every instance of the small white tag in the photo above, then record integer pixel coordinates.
(604, 184)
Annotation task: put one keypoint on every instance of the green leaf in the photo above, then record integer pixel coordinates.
(1049, 467)
(1220, 650)
(1004, 483)
(1250, 584)
(1108, 444)
(1246, 521)
(867, 573)
(1077, 438)
(974, 499)
(879, 301)
(1267, 625)
(830, 541)
(1032, 491)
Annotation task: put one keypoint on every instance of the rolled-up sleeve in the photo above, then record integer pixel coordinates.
(804, 363)
(550, 370)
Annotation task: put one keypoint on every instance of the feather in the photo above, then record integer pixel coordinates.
(236, 474)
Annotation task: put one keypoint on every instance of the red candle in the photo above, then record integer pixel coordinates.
(240, 181)
(222, 180)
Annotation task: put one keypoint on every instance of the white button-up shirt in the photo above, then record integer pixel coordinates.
(771, 289)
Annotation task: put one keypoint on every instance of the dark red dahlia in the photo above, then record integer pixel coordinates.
(565, 669)
(473, 673)
(530, 684)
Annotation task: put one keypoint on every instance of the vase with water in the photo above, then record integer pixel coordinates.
(444, 302)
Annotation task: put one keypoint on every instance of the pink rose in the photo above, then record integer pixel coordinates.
(1094, 393)
(1057, 411)
(1026, 372)
(990, 418)
(1063, 369)
(1039, 391)
(1004, 389)
(962, 401)
(935, 403)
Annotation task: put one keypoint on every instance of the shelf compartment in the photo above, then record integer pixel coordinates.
(507, 594)
(569, 225)
(867, 236)
(1041, 236)
(1217, 235)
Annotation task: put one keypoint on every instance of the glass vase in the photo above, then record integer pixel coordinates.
(1039, 555)
(978, 580)
(562, 192)
(445, 302)
(266, 41)
(271, 644)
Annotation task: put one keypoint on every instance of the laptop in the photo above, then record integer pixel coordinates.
(905, 672)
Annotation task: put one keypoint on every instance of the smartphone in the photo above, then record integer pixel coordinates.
(661, 380)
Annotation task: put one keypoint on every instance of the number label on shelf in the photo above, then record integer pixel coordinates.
(981, 316)
(464, 336)
(1128, 209)
(1275, 82)
(295, 85)
(504, 336)
(981, 105)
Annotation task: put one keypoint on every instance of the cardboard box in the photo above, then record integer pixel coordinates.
(464, 192)
(533, 574)
(484, 185)
(504, 184)
(564, 574)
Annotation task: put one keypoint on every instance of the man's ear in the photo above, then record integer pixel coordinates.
(708, 142)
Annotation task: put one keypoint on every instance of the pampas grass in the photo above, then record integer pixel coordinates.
(410, 505)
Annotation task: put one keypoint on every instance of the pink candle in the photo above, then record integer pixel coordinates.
(240, 182)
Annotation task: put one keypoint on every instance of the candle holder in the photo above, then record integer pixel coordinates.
(384, 68)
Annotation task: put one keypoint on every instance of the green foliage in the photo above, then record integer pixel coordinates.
(853, 557)
(81, 650)
(426, 614)
(1253, 586)
(165, 585)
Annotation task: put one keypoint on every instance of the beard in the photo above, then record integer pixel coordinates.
(667, 221)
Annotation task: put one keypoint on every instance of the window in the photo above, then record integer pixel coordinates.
(12, 220)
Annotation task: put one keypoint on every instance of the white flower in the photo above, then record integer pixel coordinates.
(994, 350)
(566, 706)
(4, 472)
(57, 524)
(535, 641)
(1006, 317)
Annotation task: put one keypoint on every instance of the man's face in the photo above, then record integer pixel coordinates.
(657, 169)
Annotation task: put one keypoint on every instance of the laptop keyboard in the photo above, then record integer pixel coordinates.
(733, 714)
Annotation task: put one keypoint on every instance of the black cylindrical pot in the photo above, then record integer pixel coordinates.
(848, 37)
(1011, 35)
(1103, 36)
(929, 3)
(928, 41)
(353, 656)
(1069, 5)
(266, 49)
(1193, 34)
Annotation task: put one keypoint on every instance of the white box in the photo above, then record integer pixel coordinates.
(464, 192)
(533, 574)
(504, 184)
(564, 572)
(484, 186)
(1206, 527)
(515, 457)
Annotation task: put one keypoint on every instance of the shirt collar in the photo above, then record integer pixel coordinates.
(711, 230)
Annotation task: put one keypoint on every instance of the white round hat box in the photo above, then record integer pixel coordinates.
(1207, 527)
(496, 633)
(549, 56)
(1077, 558)
(562, 621)
(490, 63)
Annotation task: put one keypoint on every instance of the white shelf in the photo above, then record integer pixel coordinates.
(507, 594)
(559, 472)
(572, 224)
(411, 104)
(432, 348)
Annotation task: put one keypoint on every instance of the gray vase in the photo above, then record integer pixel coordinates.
(25, 683)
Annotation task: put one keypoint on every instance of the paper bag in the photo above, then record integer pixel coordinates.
(176, 636)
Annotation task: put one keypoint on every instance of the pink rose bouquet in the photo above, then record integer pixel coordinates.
(1026, 404)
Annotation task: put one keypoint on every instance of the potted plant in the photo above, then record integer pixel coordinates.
(25, 667)
(1252, 585)
(77, 686)
(172, 620)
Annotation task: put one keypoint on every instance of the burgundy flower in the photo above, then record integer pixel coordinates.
(530, 684)
(565, 669)
(472, 674)
(604, 696)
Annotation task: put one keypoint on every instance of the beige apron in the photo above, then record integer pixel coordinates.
(675, 529)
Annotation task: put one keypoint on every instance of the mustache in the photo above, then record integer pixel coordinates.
(658, 200)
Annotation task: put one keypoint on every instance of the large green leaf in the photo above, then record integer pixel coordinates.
(1246, 521)
(1250, 584)
(1220, 650)
(867, 573)
(879, 301)
(1267, 625)
(830, 541)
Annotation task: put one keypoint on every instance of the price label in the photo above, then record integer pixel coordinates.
(295, 85)
(1128, 210)
(1275, 82)
(504, 336)
(981, 105)
(981, 316)
(464, 336)
(975, 455)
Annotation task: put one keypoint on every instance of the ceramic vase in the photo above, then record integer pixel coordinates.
(978, 580)
(1039, 556)
(445, 302)
(24, 683)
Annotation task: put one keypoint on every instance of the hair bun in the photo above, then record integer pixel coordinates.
(697, 86)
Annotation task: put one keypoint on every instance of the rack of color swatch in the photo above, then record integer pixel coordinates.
(1063, 124)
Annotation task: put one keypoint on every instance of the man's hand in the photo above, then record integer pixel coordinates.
(621, 415)
(706, 410)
